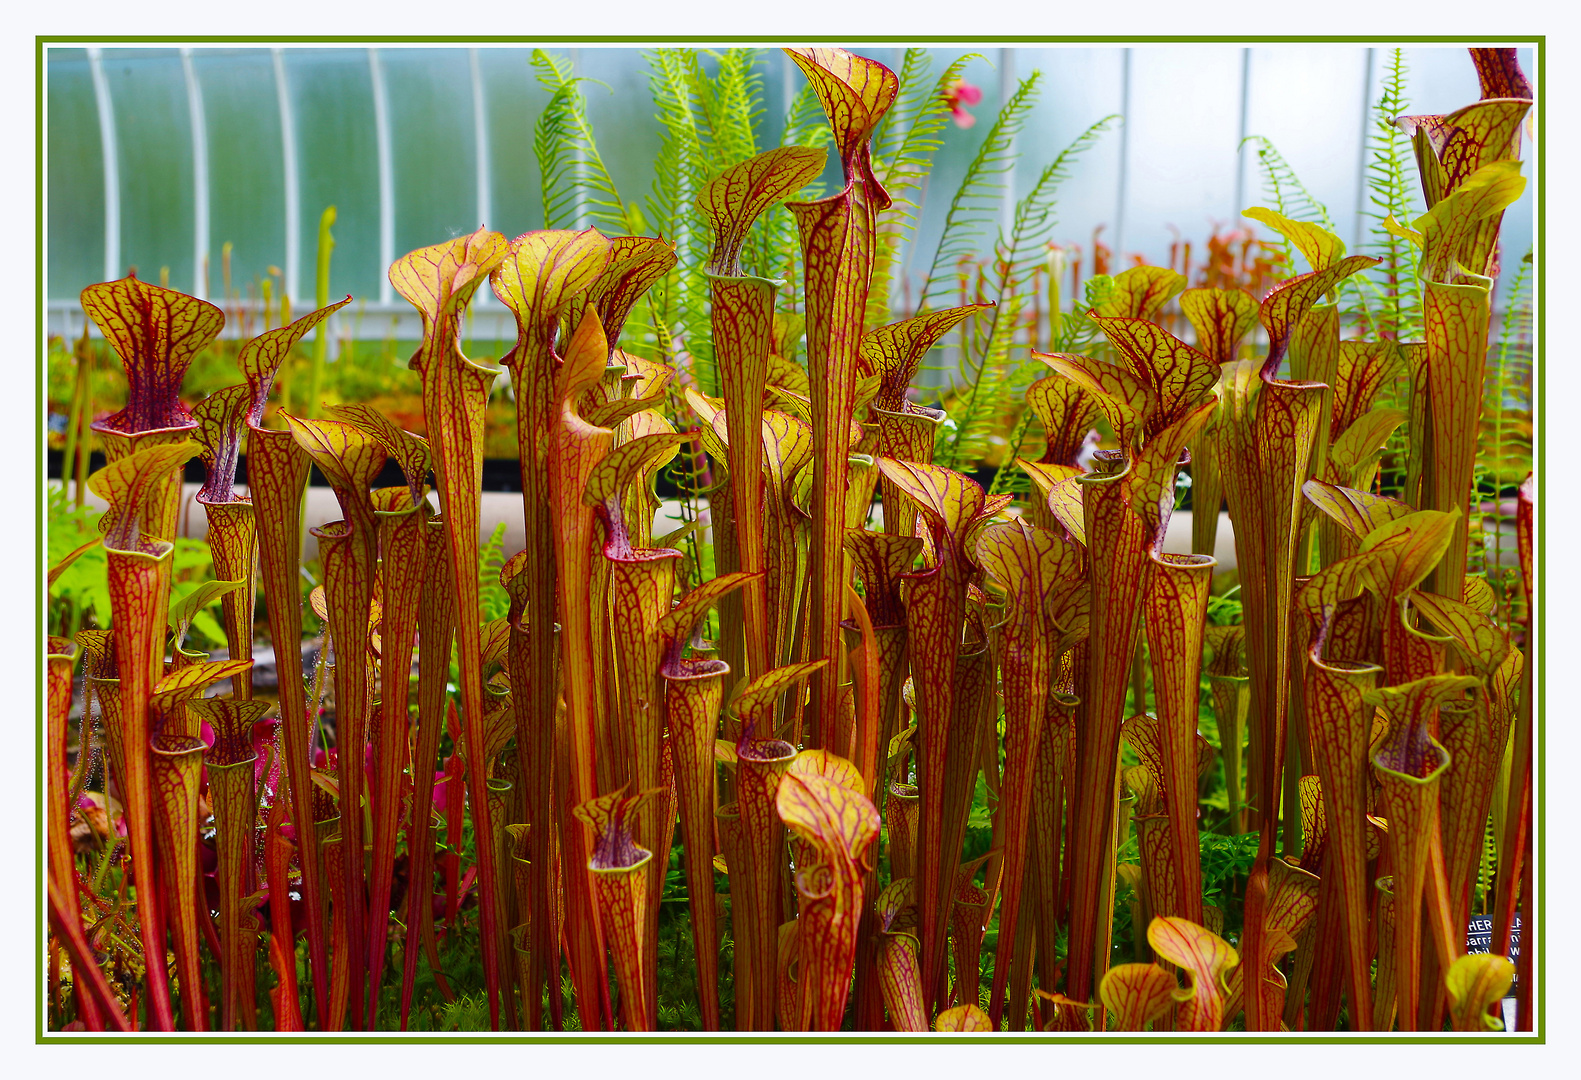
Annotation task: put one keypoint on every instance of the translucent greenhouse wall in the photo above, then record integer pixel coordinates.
(158, 157)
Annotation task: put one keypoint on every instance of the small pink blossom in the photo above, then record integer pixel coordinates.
(961, 94)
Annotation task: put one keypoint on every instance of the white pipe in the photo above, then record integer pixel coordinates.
(112, 167)
(1125, 161)
(480, 135)
(381, 127)
(1240, 145)
(293, 185)
(200, 178)
(1361, 150)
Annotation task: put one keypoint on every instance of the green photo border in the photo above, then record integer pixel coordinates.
(1536, 1037)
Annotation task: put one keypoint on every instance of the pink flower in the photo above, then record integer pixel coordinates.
(961, 94)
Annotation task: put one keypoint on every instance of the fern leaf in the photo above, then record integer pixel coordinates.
(574, 181)
(903, 150)
(967, 436)
(1394, 283)
(1284, 189)
(977, 200)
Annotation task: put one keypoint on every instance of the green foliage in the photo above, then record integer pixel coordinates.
(80, 597)
(575, 185)
(1224, 609)
(903, 148)
(493, 600)
(1395, 312)
(977, 199)
(910, 133)
(992, 386)
(1504, 454)
(1224, 858)
(1284, 192)
(1504, 439)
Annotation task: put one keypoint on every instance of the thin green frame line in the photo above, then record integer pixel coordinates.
(40, 503)
(1535, 1038)
(888, 39)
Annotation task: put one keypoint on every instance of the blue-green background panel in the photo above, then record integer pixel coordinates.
(153, 137)
(76, 176)
(246, 165)
(338, 164)
(433, 148)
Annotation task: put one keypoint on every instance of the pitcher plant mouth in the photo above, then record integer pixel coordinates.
(1013, 756)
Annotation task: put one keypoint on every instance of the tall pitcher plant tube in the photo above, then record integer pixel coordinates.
(539, 279)
(1176, 609)
(233, 794)
(576, 448)
(821, 801)
(1410, 767)
(177, 757)
(440, 281)
(350, 459)
(1221, 318)
(1156, 399)
(741, 313)
(1040, 571)
(156, 332)
(277, 474)
(1269, 427)
(436, 617)
(952, 505)
(139, 564)
(906, 431)
(1340, 725)
(693, 691)
(620, 882)
(402, 527)
(176, 761)
(401, 514)
(838, 236)
(232, 533)
(761, 761)
(1456, 307)
(641, 581)
(1118, 565)
(222, 418)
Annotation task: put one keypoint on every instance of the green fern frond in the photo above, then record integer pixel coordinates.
(903, 150)
(729, 106)
(685, 163)
(1019, 254)
(1034, 217)
(967, 435)
(678, 167)
(1393, 283)
(805, 125)
(915, 84)
(1283, 189)
(670, 196)
(1504, 449)
(805, 122)
(492, 598)
(904, 145)
(977, 200)
(1014, 257)
(574, 183)
(1487, 863)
